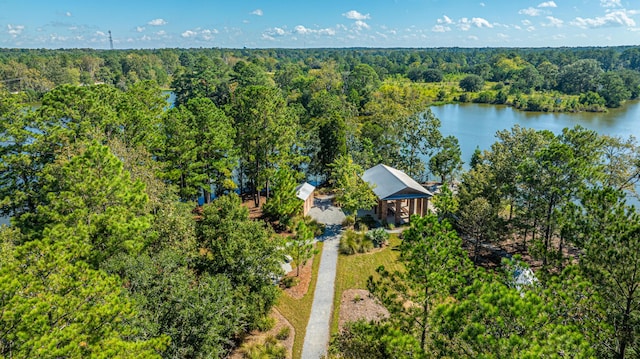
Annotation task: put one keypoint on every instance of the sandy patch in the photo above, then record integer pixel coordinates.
(358, 304)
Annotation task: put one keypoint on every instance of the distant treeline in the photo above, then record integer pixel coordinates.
(529, 78)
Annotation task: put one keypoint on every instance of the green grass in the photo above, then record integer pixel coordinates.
(298, 311)
(354, 270)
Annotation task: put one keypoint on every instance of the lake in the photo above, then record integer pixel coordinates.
(476, 124)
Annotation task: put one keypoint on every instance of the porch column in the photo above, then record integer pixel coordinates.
(412, 206)
(383, 210)
(398, 208)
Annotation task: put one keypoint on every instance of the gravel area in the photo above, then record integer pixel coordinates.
(357, 304)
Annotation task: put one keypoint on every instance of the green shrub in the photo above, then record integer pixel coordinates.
(348, 222)
(367, 220)
(265, 324)
(284, 333)
(353, 242)
(316, 227)
(485, 97)
(288, 282)
(269, 349)
(379, 237)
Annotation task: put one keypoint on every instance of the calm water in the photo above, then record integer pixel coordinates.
(476, 124)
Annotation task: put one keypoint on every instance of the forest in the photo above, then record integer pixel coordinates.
(128, 236)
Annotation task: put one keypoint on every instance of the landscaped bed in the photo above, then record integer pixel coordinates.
(353, 272)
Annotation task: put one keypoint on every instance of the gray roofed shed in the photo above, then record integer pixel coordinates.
(304, 190)
(391, 184)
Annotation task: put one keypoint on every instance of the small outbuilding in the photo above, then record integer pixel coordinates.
(398, 194)
(304, 192)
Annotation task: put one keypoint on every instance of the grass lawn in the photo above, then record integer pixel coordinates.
(354, 270)
(297, 311)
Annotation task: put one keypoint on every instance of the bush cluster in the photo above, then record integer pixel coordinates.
(353, 242)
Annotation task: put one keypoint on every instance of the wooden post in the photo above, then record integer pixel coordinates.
(383, 209)
(412, 206)
(420, 206)
(398, 208)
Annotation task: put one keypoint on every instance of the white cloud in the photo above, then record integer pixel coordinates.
(440, 28)
(558, 37)
(161, 33)
(257, 12)
(67, 14)
(100, 33)
(157, 22)
(503, 36)
(271, 34)
(306, 31)
(327, 31)
(202, 34)
(14, 30)
(445, 20)
(531, 28)
(140, 28)
(474, 38)
(465, 24)
(480, 22)
(530, 11)
(526, 22)
(610, 3)
(301, 30)
(548, 4)
(359, 24)
(354, 15)
(611, 19)
(482, 4)
(553, 22)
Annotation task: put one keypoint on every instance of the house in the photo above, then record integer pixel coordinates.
(304, 192)
(398, 194)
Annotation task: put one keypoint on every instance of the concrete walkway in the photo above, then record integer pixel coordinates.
(319, 326)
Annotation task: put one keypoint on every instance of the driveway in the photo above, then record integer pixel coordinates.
(319, 326)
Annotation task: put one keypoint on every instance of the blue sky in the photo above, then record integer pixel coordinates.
(328, 23)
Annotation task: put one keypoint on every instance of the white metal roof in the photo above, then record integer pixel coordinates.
(390, 183)
(304, 190)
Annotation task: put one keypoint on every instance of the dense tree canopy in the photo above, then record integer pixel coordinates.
(128, 237)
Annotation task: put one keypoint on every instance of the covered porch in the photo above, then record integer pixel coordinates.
(399, 196)
(400, 210)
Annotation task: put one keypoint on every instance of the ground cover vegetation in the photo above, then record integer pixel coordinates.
(128, 236)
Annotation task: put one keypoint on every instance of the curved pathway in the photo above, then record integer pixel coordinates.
(319, 326)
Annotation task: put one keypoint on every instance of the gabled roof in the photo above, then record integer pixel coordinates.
(390, 183)
(304, 190)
